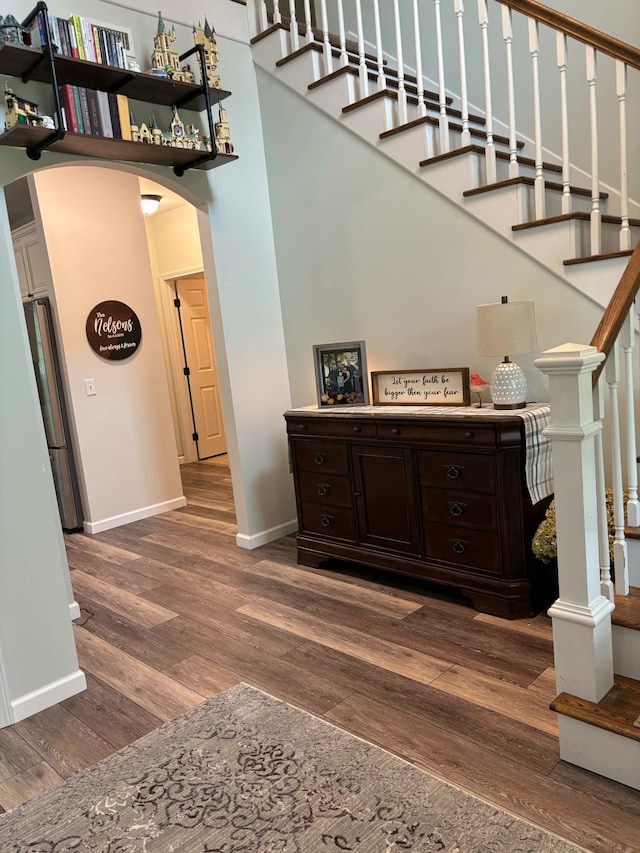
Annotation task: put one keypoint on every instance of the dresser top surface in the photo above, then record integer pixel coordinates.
(486, 411)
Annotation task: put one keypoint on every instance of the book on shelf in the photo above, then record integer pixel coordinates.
(67, 102)
(84, 109)
(104, 113)
(124, 115)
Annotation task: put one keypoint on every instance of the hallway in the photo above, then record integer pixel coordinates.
(173, 612)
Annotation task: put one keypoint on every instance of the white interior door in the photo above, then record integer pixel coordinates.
(201, 361)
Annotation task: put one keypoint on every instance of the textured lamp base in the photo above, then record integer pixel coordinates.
(508, 386)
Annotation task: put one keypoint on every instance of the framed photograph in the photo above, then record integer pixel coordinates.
(436, 386)
(341, 374)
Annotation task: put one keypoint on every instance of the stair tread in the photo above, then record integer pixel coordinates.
(567, 217)
(606, 256)
(416, 122)
(530, 182)
(617, 712)
(627, 612)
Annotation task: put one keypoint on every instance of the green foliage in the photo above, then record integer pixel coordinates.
(545, 543)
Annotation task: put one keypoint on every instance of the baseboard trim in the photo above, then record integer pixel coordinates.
(48, 695)
(265, 536)
(74, 610)
(135, 515)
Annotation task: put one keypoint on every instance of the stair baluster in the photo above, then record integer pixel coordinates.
(534, 50)
(442, 90)
(308, 27)
(612, 374)
(606, 583)
(382, 79)
(362, 60)
(628, 341)
(277, 17)
(561, 51)
(464, 98)
(422, 110)
(490, 149)
(621, 91)
(326, 44)
(507, 34)
(402, 92)
(293, 26)
(596, 216)
(344, 58)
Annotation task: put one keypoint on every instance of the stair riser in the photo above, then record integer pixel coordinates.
(270, 49)
(633, 545)
(626, 652)
(372, 119)
(335, 94)
(563, 240)
(299, 72)
(600, 751)
(452, 177)
(507, 206)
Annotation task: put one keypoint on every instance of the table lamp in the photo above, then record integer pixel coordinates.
(507, 327)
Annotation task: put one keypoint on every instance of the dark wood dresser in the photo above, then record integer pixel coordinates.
(441, 497)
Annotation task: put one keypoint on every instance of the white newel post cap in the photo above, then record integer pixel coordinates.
(570, 367)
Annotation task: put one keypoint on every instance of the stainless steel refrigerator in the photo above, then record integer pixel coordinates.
(54, 414)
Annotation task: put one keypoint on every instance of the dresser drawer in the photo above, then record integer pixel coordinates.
(325, 488)
(474, 549)
(471, 435)
(334, 521)
(339, 426)
(321, 456)
(464, 509)
(447, 468)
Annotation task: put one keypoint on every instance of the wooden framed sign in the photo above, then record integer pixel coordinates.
(441, 386)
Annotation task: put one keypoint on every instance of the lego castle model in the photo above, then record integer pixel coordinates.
(165, 62)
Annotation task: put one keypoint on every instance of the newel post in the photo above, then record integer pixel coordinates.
(582, 615)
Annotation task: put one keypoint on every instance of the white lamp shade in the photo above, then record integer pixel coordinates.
(506, 328)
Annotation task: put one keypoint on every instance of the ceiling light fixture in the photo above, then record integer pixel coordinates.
(150, 203)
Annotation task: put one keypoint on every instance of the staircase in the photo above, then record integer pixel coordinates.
(543, 203)
(417, 81)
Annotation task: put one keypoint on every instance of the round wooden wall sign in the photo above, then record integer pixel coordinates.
(113, 330)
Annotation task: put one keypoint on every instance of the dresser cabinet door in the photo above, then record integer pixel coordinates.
(385, 498)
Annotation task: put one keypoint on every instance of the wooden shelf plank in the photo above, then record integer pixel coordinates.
(106, 148)
(16, 60)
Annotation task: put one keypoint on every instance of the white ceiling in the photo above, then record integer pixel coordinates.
(169, 201)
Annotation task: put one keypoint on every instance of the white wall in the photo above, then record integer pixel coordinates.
(378, 255)
(125, 442)
(37, 654)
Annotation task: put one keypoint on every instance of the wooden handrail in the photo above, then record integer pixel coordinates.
(617, 310)
(578, 30)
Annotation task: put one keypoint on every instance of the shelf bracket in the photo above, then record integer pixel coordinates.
(49, 59)
(204, 90)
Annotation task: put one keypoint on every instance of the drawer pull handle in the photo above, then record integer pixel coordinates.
(357, 429)
(302, 427)
(459, 545)
(395, 431)
(321, 458)
(468, 435)
(326, 520)
(456, 507)
(454, 471)
(357, 494)
(323, 489)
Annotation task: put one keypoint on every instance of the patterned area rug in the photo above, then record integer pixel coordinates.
(246, 773)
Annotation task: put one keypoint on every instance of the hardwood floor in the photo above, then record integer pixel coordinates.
(173, 612)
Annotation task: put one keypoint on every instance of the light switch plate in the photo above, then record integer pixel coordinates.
(90, 385)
